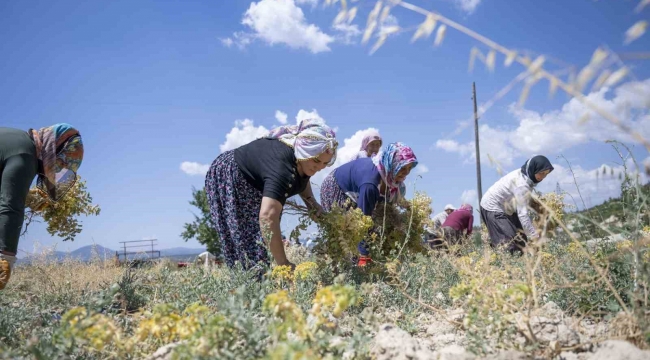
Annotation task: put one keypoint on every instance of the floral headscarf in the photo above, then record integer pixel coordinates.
(59, 150)
(466, 207)
(389, 161)
(372, 135)
(309, 139)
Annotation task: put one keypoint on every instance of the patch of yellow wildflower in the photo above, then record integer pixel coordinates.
(402, 229)
(473, 262)
(551, 213)
(334, 299)
(340, 233)
(575, 251)
(305, 270)
(292, 318)
(166, 324)
(282, 273)
(624, 245)
(97, 331)
(548, 260)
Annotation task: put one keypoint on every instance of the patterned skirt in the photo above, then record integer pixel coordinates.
(235, 206)
(331, 194)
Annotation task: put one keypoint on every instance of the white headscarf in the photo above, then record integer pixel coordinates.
(309, 139)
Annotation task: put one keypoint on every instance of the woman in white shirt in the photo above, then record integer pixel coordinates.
(504, 207)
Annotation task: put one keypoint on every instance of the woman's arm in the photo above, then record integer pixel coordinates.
(270, 221)
(308, 197)
(522, 196)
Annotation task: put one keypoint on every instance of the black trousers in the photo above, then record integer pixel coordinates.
(18, 166)
(505, 230)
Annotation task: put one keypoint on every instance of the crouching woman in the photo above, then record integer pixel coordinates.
(248, 187)
(362, 183)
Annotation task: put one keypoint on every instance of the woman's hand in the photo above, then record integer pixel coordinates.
(36, 199)
(315, 210)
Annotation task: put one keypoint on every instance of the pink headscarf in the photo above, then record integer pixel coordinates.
(466, 207)
(371, 136)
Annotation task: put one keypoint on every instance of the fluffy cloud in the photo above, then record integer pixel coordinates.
(304, 115)
(555, 131)
(596, 185)
(422, 169)
(281, 22)
(347, 149)
(281, 117)
(468, 5)
(244, 132)
(194, 168)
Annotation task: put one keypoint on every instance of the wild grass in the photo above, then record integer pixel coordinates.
(99, 310)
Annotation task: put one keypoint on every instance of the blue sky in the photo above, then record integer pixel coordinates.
(153, 85)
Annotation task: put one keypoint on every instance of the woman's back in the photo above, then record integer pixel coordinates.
(501, 197)
(15, 142)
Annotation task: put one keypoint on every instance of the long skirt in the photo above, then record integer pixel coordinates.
(235, 206)
(331, 194)
(505, 230)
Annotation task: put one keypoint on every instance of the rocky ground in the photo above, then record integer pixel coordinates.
(439, 339)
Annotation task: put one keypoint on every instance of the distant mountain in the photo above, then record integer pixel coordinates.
(85, 253)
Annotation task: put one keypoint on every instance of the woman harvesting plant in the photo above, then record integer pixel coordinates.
(54, 154)
(366, 181)
(458, 224)
(248, 187)
(370, 145)
(504, 207)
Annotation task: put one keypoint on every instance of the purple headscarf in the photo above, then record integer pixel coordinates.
(372, 135)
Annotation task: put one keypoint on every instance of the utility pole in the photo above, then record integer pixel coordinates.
(478, 152)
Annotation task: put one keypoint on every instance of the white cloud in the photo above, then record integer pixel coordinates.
(596, 185)
(454, 146)
(304, 114)
(347, 149)
(281, 117)
(282, 22)
(240, 39)
(347, 33)
(227, 42)
(422, 169)
(194, 168)
(244, 132)
(470, 197)
(468, 5)
(555, 131)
